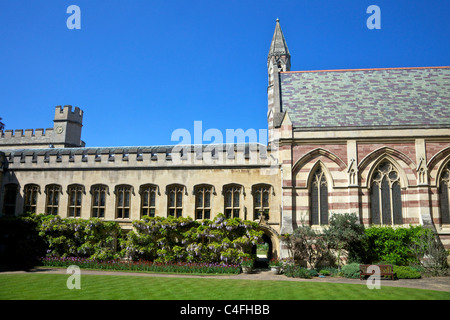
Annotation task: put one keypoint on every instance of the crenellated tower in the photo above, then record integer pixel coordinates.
(66, 133)
(67, 126)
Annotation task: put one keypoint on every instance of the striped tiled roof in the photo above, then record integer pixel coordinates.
(368, 98)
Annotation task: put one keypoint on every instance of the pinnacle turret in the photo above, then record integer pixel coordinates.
(278, 48)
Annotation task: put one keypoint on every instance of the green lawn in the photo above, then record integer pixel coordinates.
(53, 286)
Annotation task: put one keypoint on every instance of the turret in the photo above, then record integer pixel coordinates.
(278, 60)
(67, 126)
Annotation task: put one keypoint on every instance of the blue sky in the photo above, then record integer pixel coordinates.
(140, 69)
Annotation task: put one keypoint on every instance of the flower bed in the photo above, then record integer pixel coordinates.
(142, 265)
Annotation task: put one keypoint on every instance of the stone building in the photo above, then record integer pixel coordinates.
(375, 142)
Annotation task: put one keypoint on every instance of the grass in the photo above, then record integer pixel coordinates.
(124, 287)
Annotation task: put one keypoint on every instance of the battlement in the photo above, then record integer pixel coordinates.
(26, 138)
(66, 114)
(66, 132)
(234, 155)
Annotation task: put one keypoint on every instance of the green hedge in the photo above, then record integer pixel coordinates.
(392, 245)
(405, 272)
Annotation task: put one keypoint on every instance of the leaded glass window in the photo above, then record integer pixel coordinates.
(232, 201)
(98, 200)
(261, 196)
(123, 201)
(203, 202)
(385, 195)
(75, 198)
(31, 192)
(319, 198)
(53, 191)
(175, 200)
(148, 200)
(444, 186)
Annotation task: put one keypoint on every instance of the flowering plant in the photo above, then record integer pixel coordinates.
(274, 263)
(247, 262)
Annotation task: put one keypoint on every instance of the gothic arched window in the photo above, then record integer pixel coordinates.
(232, 194)
(52, 202)
(175, 200)
(385, 195)
(319, 198)
(148, 199)
(203, 201)
(75, 192)
(444, 186)
(31, 195)
(261, 196)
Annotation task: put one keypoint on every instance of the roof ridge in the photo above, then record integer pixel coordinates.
(367, 69)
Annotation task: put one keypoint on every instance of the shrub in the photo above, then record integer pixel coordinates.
(393, 245)
(295, 271)
(20, 243)
(181, 239)
(325, 272)
(345, 235)
(430, 254)
(406, 272)
(350, 270)
(308, 245)
(146, 266)
(89, 238)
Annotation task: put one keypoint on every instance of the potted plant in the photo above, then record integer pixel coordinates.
(247, 265)
(275, 266)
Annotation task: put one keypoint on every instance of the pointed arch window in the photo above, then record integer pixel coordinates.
(31, 192)
(175, 200)
(123, 201)
(261, 199)
(203, 201)
(385, 195)
(232, 195)
(52, 204)
(98, 192)
(319, 198)
(444, 191)
(9, 199)
(148, 199)
(75, 192)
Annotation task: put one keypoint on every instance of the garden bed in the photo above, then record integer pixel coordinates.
(142, 266)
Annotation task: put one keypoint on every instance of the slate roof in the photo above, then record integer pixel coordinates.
(368, 98)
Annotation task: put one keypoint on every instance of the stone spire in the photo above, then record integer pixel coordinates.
(279, 51)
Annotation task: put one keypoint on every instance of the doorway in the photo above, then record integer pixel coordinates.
(263, 251)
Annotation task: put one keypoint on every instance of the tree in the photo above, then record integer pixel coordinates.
(2, 125)
(345, 235)
(307, 244)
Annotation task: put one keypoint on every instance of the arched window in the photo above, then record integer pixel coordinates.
(444, 186)
(319, 198)
(123, 201)
(261, 197)
(31, 192)
(203, 201)
(98, 193)
(148, 199)
(75, 192)
(232, 195)
(52, 202)
(385, 195)
(9, 199)
(175, 200)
